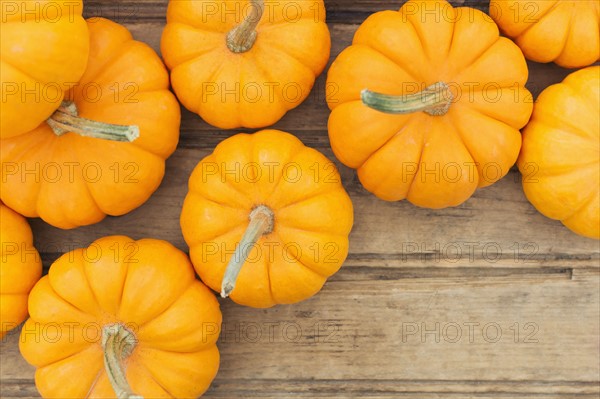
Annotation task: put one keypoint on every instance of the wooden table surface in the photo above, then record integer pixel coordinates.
(486, 300)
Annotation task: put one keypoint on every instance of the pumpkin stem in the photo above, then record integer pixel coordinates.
(118, 343)
(262, 221)
(435, 100)
(241, 38)
(65, 120)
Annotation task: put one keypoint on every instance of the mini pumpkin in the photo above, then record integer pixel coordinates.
(102, 153)
(566, 32)
(428, 104)
(45, 48)
(124, 319)
(560, 158)
(20, 268)
(244, 63)
(266, 219)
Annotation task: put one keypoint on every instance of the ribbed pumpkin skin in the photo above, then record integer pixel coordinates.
(252, 89)
(75, 181)
(45, 48)
(560, 159)
(20, 268)
(565, 32)
(433, 161)
(313, 217)
(148, 286)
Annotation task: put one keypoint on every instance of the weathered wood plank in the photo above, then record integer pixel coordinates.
(496, 228)
(408, 335)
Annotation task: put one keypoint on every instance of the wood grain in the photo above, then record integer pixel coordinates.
(494, 261)
(406, 335)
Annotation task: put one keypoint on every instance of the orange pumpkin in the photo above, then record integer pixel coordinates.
(266, 219)
(428, 103)
(45, 47)
(244, 63)
(566, 32)
(20, 268)
(122, 318)
(560, 158)
(74, 169)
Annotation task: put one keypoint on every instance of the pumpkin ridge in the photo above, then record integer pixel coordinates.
(564, 125)
(398, 132)
(425, 136)
(323, 190)
(281, 50)
(212, 78)
(569, 32)
(287, 250)
(6, 62)
(368, 45)
(304, 16)
(71, 303)
(89, 392)
(107, 64)
(136, 143)
(25, 151)
(298, 146)
(549, 172)
(86, 184)
(233, 230)
(87, 277)
(584, 100)
(214, 201)
(195, 54)
(124, 50)
(269, 265)
(467, 69)
(44, 182)
(141, 365)
(267, 72)
(479, 55)
(458, 132)
(585, 204)
(591, 196)
(140, 325)
(304, 199)
(305, 267)
(88, 346)
(418, 35)
(539, 19)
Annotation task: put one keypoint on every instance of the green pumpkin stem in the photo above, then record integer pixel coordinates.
(118, 343)
(241, 38)
(262, 221)
(66, 120)
(435, 100)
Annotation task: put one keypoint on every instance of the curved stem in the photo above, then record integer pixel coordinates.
(118, 343)
(262, 221)
(241, 38)
(435, 100)
(66, 120)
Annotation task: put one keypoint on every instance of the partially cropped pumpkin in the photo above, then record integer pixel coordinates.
(428, 103)
(266, 219)
(244, 63)
(560, 158)
(566, 32)
(45, 48)
(122, 319)
(20, 268)
(79, 165)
